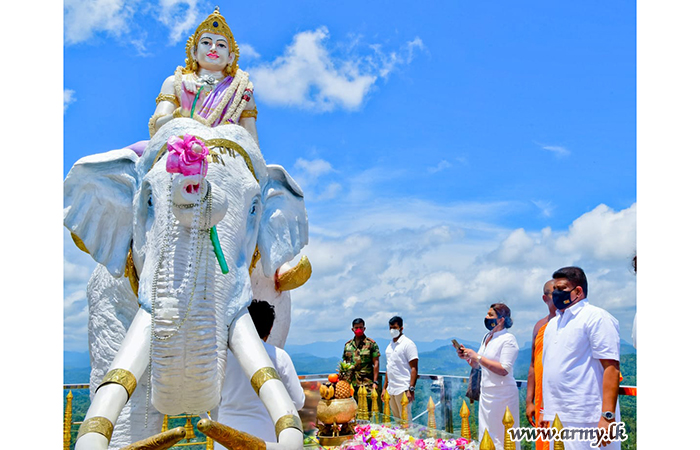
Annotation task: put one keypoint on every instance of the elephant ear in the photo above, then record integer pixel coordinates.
(98, 197)
(284, 227)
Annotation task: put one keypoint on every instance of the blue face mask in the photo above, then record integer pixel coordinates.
(561, 299)
(490, 323)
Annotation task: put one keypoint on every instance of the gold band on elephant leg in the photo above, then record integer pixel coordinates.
(160, 441)
(288, 421)
(262, 376)
(228, 437)
(97, 424)
(122, 377)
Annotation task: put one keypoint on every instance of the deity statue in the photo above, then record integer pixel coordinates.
(211, 88)
(187, 228)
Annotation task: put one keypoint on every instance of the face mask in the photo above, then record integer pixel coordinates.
(358, 332)
(561, 299)
(490, 323)
(394, 332)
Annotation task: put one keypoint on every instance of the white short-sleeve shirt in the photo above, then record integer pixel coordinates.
(240, 406)
(574, 343)
(398, 355)
(502, 348)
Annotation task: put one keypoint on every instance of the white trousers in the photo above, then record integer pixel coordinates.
(492, 407)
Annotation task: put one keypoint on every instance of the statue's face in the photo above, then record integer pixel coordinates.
(212, 52)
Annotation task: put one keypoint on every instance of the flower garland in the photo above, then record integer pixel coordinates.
(381, 437)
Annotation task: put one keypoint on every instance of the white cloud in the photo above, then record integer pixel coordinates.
(442, 275)
(314, 168)
(83, 18)
(545, 207)
(442, 165)
(314, 176)
(247, 51)
(68, 98)
(309, 76)
(86, 18)
(558, 150)
(603, 234)
(180, 16)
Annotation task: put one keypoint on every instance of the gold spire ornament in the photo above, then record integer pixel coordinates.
(387, 409)
(486, 442)
(556, 423)
(464, 414)
(432, 424)
(508, 422)
(68, 421)
(362, 413)
(189, 429)
(404, 411)
(216, 24)
(375, 406)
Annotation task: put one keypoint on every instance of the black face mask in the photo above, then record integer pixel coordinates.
(561, 299)
(490, 323)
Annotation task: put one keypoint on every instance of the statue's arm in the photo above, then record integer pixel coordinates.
(248, 120)
(166, 105)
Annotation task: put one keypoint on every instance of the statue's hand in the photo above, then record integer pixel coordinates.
(192, 86)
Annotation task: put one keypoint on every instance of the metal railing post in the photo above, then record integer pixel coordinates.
(447, 403)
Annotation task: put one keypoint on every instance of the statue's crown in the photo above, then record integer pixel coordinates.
(216, 24)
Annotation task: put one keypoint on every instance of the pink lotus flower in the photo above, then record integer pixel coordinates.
(187, 156)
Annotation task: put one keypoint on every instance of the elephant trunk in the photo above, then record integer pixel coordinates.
(189, 191)
(188, 342)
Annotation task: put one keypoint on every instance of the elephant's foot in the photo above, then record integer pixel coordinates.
(160, 441)
(228, 437)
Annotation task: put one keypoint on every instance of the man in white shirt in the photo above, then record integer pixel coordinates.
(401, 368)
(240, 406)
(581, 359)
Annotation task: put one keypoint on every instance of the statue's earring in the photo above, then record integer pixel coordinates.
(195, 66)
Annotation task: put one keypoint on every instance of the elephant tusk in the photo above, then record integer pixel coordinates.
(160, 441)
(228, 437)
(79, 243)
(294, 277)
(130, 273)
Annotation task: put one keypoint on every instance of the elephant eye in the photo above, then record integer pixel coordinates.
(150, 201)
(253, 209)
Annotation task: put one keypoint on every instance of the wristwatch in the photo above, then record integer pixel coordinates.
(478, 359)
(411, 389)
(375, 382)
(608, 415)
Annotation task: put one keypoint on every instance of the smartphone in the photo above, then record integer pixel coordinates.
(456, 344)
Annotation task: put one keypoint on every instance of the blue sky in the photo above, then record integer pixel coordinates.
(452, 155)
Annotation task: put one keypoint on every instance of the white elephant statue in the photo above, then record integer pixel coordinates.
(185, 243)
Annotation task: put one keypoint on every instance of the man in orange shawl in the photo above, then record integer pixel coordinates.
(534, 407)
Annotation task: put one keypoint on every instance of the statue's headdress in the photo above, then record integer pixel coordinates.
(216, 24)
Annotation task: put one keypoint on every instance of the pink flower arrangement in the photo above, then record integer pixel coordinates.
(187, 156)
(380, 437)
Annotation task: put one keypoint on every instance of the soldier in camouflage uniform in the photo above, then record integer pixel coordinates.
(363, 353)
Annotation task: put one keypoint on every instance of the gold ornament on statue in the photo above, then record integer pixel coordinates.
(216, 24)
